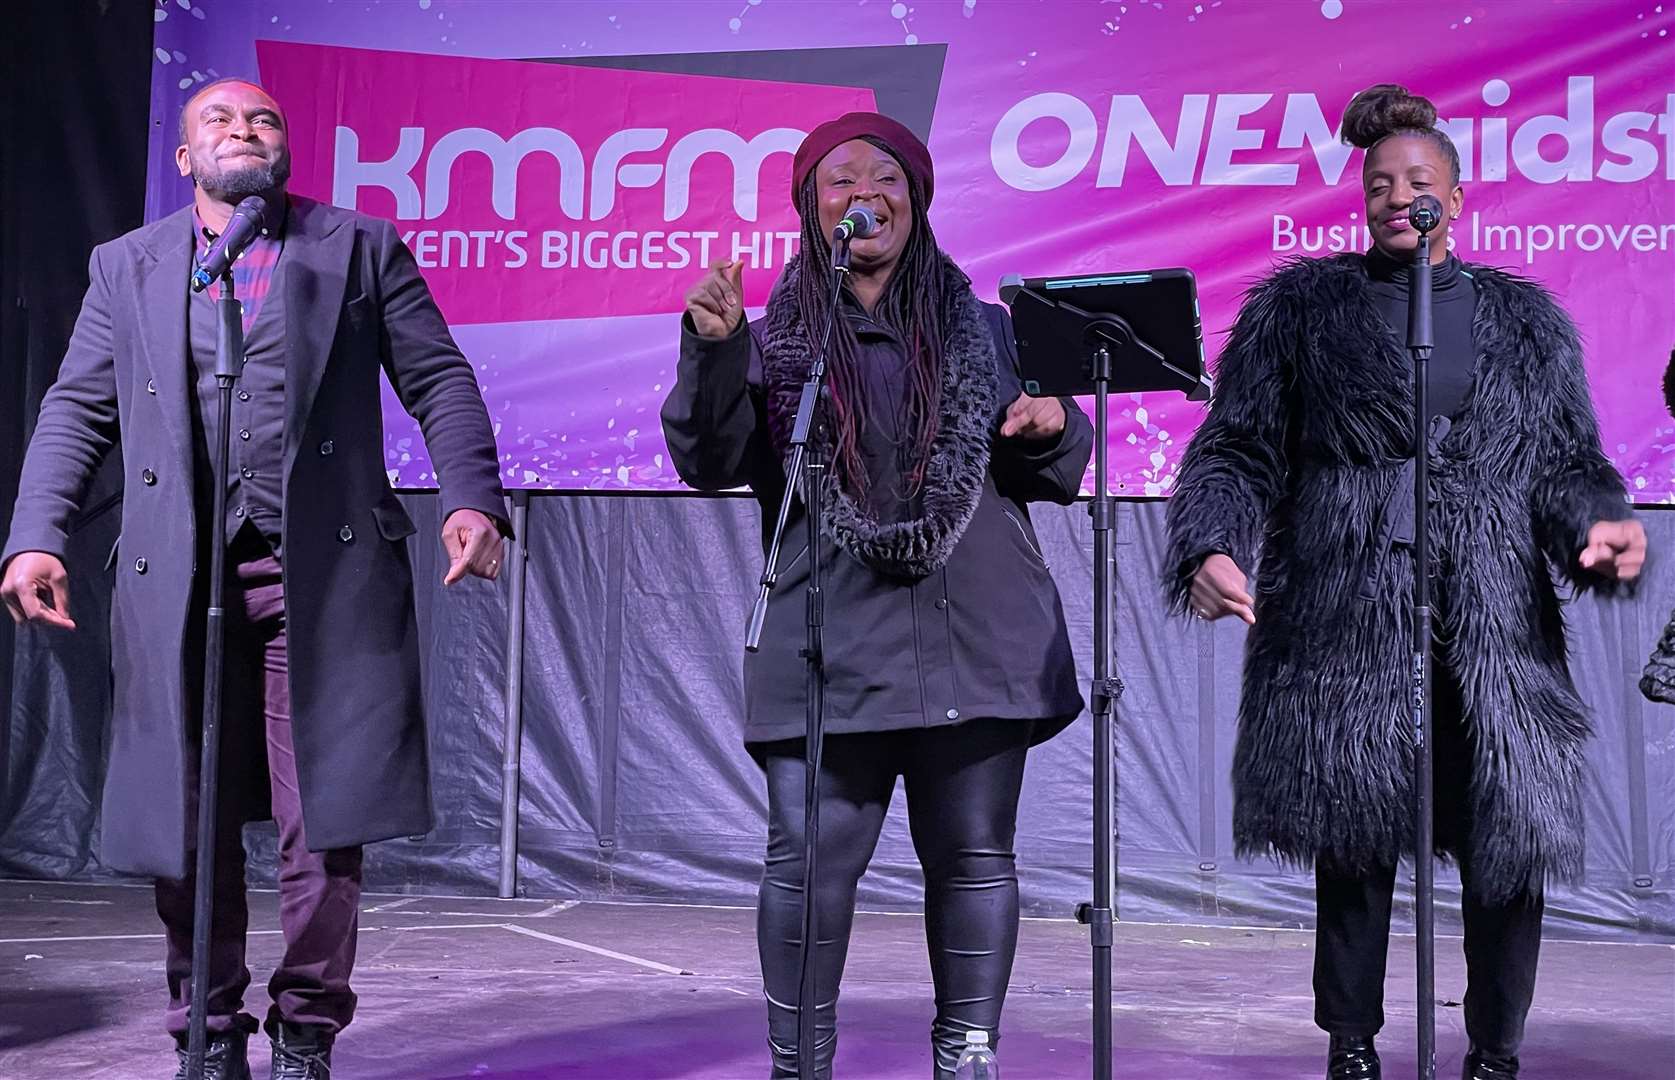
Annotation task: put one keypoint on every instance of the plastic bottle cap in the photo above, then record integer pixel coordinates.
(977, 1038)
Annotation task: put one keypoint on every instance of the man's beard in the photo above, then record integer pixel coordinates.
(242, 180)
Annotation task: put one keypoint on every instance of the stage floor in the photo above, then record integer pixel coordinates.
(523, 989)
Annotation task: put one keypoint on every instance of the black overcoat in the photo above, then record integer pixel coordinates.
(355, 304)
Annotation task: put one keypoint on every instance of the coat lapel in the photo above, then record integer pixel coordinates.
(161, 315)
(315, 272)
(1492, 409)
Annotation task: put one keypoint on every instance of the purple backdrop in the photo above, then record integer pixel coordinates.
(560, 208)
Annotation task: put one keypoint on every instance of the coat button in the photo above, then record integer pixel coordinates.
(244, 395)
(953, 714)
(139, 565)
(326, 448)
(244, 433)
(148, 476)
(346, 534)
(247, 472)
(942, 605)
(151, 386)
(238, 512)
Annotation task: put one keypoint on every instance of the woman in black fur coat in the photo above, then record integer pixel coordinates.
(1305, 458)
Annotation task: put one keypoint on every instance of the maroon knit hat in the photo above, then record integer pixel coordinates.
(834, 133)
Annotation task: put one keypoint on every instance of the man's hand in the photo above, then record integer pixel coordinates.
(36, 589)
(1616, 549)
(473, 546)
(1219, 588)
(1037, 418)
(716, 303)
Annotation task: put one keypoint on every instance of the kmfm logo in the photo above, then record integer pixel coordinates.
(617, 165)
(529, 190)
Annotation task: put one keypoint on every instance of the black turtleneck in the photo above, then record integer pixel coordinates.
(1453, 303)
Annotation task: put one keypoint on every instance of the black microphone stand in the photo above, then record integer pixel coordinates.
(1106, 690)
(1424, 917)
(1111, 322)
(229, 365)
(807, 467)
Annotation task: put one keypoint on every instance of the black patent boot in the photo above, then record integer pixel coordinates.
(1352, 1059)
(1481, 1066)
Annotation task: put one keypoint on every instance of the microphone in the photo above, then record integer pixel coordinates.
(858, 223)
(1425, 213)
(242, 228)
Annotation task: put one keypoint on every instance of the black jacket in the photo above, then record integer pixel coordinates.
(982, 637)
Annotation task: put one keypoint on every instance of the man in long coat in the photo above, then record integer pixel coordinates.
(321, 676)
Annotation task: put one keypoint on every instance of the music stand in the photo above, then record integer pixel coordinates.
(1095, 335)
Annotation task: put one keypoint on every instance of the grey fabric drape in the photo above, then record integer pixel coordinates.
(636, 785)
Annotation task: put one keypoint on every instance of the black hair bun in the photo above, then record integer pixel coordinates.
(1381, 110)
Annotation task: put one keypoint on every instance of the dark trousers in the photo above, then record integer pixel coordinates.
(319, 892)
(962, 785)
(1352, 941)
(1503, 943)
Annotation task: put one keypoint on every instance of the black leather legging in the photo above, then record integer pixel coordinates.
(962, 784)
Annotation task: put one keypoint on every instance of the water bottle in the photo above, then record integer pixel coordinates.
(977, 1060)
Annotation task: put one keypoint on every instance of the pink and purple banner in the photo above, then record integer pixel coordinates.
(563, 172)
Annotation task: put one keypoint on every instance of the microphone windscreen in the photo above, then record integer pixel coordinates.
(866, 222)
(253, 207)
(1426, 213)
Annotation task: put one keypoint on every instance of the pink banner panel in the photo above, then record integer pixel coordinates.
(563, 172)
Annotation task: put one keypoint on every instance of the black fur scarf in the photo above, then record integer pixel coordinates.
(1306, 438)
(959, 455)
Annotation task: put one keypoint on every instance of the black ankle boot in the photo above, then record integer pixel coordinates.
(301, 1051)
(1481, 1066)
(225, 1056)
(1352, 1059)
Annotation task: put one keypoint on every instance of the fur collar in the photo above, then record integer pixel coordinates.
(959, 455)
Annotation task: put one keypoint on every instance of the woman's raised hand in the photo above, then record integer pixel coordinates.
(716, 303)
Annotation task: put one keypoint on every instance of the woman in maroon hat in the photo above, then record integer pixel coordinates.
(945, 647)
